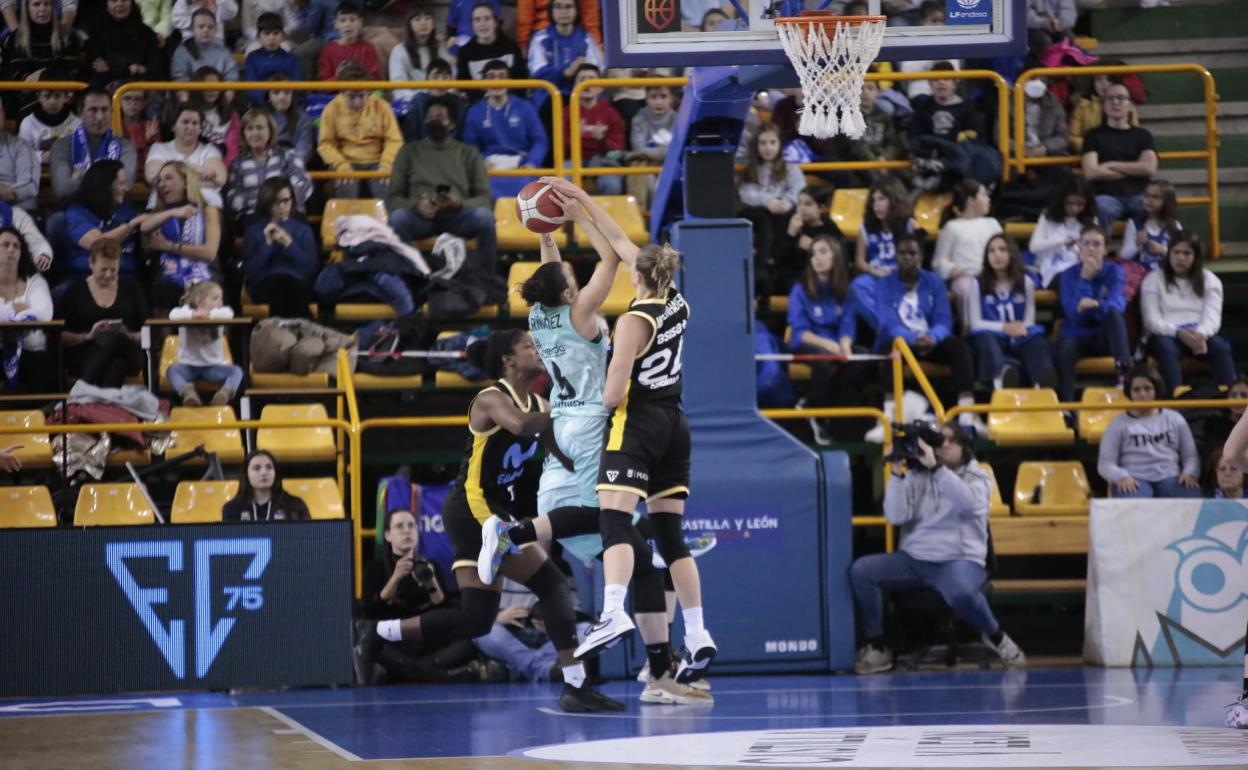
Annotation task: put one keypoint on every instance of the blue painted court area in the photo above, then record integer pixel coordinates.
(411, 722)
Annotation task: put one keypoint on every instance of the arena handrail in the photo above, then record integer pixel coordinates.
(1100, 406)
(904, 355)
(579, 171)
(556, 107)
(1209, 154)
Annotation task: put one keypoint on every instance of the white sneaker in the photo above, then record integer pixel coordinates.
(872, 660)
(1010, 653)
(696, 657)
(643, 675)
(703, 684)
(668, 691)
(1237, 714)
(494, 546)
(607, 632)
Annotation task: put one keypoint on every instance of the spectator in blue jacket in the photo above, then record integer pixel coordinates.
(507, 131)
(316, 22)
(279, 253)
(558, 51)
(270, 58)
(1002, 321)
(913, 304)
(822, 320)
(1092, 302)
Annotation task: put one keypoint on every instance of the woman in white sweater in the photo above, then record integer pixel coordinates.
(965, 229)
(1182, 308)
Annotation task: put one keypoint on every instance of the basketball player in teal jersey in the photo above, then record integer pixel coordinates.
(646, 449)
(571, 338)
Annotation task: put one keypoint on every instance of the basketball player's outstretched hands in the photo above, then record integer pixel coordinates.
(573, 211)
(564, 187)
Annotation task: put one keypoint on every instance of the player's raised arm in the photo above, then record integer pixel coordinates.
(611, 230)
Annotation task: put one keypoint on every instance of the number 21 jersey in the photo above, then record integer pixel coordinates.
(657, 375)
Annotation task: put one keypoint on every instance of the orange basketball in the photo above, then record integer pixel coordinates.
(537, 208)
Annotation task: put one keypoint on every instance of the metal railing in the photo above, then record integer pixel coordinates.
(1209, 154)
(556, 108)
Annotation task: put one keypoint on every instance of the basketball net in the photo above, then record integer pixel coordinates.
(831, 55)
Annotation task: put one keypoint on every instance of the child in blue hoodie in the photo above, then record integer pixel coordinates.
(556, 52)
(1002, 322)
(913, 304)
(1093, 303)
(822, 319)
(270, 58)
(507, 131)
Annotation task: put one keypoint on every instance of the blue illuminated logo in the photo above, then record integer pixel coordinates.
(968, 11)
(210, 634)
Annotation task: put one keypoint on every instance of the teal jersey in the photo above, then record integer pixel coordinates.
(577, 366)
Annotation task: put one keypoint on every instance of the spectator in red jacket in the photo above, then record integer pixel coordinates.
(349, 21)
(602, 132)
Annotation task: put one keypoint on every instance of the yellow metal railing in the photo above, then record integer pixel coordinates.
(556, 108)
(1209, 154)
(1098, 406)
(574, 125)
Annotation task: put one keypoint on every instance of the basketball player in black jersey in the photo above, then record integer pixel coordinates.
(646, 451)
(505, 420)
(1235, 450)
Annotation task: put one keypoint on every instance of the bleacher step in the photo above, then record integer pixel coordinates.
(1168, 23)
(1189, 119)
(1211, 52)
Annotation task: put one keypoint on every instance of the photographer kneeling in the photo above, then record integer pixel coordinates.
(941, 504)
(400, 586)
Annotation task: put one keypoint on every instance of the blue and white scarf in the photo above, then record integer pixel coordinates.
(183, 270)
(80, 156)
(6, 215)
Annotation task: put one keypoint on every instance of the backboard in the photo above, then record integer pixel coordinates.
(666, 33)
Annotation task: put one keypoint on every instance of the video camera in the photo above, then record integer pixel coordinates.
(906, 440)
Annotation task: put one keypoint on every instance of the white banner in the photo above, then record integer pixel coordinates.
(1167, 583)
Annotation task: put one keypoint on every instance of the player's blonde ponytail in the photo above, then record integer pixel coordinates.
(658, 265)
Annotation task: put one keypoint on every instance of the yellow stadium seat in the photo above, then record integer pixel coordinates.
(448, 379)
(362, 312)
(286, 380)
(1008, 428)
(1102, 365)
(513, 235)
(625, 210)
(169, 356)
(1092, 424)
(996, 505)
(1051, 489)
(778, 303)
(304, 445)
(928, 210)
(517, 274)
(849, 205)
(1019, 230)
(24, 507)
(797, 371)
(119, 457)
(622, 292)
(34, 449)
(1046, 298)
(341, 207)
(363, 381)
(200, 502)
(322, 497)
(112, 504)
(226, 443)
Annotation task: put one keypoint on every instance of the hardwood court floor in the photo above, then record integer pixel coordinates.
(816, 721)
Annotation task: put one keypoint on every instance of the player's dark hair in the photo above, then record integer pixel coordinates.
(963, 191)
(348, 9)
(545, 286)
(1144, 371)
(487, 354)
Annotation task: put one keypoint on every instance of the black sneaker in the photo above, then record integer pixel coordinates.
(364, 651)
(1010, 376)
(586, 700)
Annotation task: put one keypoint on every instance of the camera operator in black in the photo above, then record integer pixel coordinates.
(941, 504)
(400, 584)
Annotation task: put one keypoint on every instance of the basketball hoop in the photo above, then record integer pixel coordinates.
(831, 55)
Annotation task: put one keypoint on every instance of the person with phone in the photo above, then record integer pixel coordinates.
(103, 314)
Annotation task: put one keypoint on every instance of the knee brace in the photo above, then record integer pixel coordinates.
(615, 527)
(551, 588)
(669, 538)
(478, 608)
(648, 592)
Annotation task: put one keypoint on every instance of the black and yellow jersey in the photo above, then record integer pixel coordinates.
(657, 375)
(496, 459)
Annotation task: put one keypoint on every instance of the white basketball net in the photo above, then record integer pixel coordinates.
(831, 69)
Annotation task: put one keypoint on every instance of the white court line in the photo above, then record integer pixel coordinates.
(1113, 701)
(315, 737)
